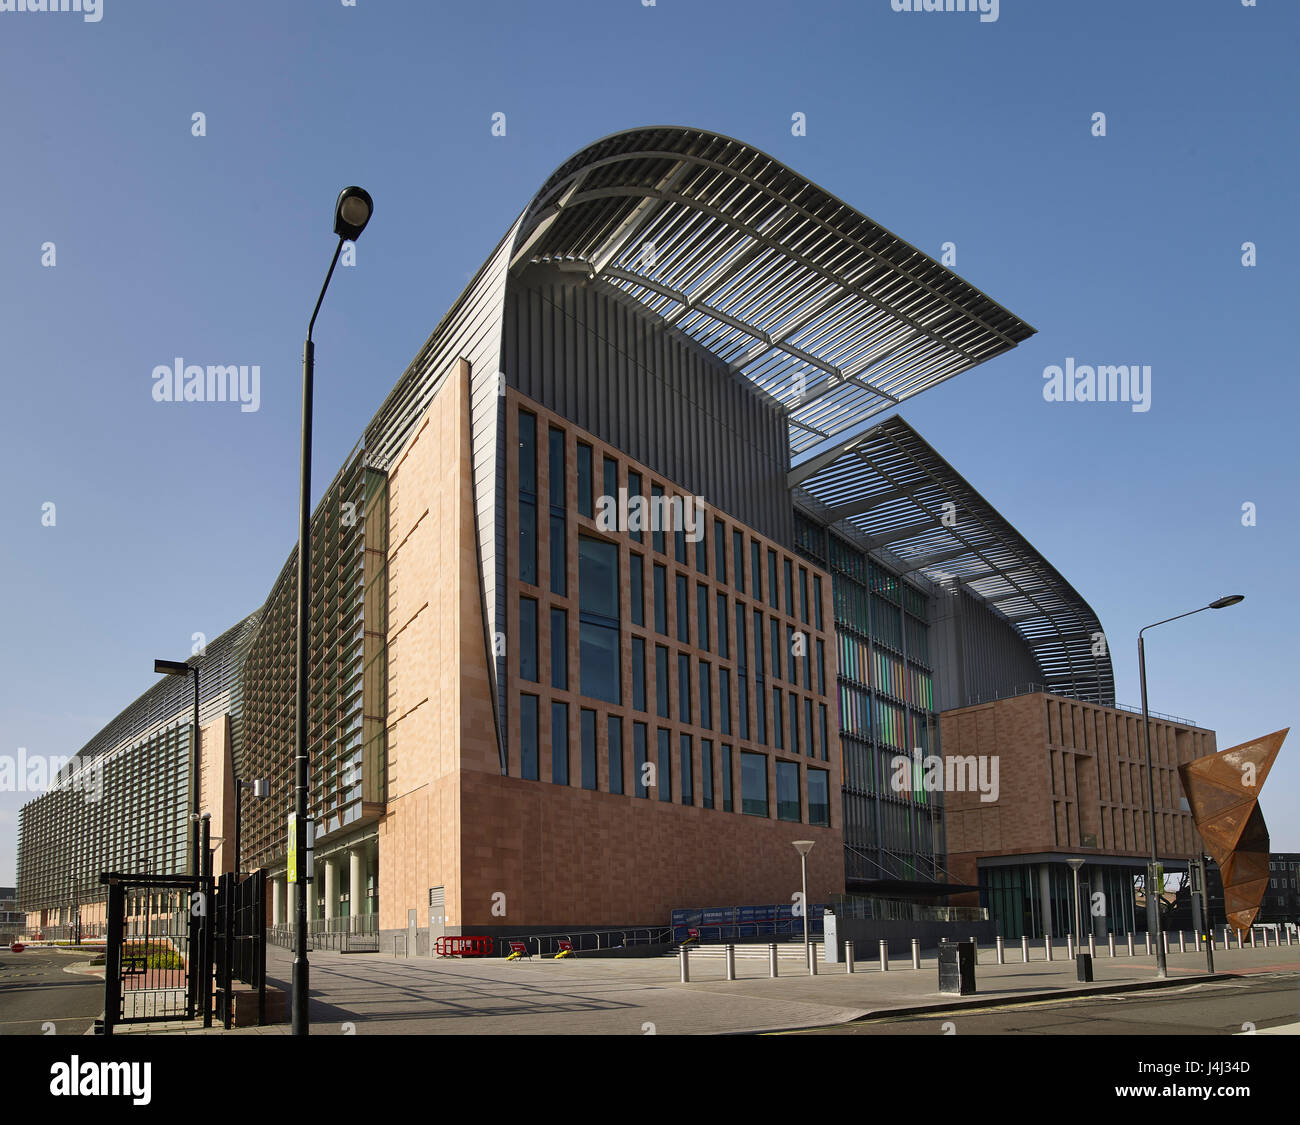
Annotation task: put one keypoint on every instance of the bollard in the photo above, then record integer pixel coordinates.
(1182, 943)
(1092, 945)
(1238, 939)
(1147, 935)
(812, 959)
(916, 953)
(1252, 937)
(884, 956)
(1024, 948)
(1164, 941)
(685, 957)
(1196, 941)
(1002, 953)
(731, 962)
(1047, 942)
(1288, 937)
(1130, 943)
(1110, 941)
(848, 954)
(771, 959)
(1069, 947)
(1227, 938)
(975, 950)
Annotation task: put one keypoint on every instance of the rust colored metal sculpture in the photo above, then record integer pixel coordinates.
(1223, 791)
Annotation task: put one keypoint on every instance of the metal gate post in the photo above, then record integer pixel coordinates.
(113, 960)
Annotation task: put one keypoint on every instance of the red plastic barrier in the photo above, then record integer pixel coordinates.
(464, 945)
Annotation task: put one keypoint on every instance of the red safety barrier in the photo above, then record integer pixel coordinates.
(464, 945)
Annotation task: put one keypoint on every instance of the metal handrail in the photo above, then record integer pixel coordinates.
(628, 937)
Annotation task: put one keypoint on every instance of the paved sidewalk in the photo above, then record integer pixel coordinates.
(377, 994)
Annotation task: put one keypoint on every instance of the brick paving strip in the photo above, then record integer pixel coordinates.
(374, 994)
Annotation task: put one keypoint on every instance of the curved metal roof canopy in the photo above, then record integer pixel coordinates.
(891, 489)
(807, 298)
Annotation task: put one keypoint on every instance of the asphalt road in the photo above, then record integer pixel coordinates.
(37, 997)
(1218, 1008)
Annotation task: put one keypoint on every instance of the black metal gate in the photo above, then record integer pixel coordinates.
(239, 927)
(155, 948)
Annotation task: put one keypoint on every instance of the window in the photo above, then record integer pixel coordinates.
(774, 632)
(793, 712)
(584, 480)
(817, 601)
(615, 728)
(755, 568)
(528, 737)
(742, 706)
(789, 587)
(636, 588)
(598, 648)
(683, 687)
(702, 617)
(559, 649)
(528, 639)
(638, 674)
(702, 545)
(559, 556)
(753, 783)
(803, 595)
(810, 743)
(656, 525)
(719, 551)
(773, 594)
(778, 734)
(724, 700)
(560, 743)
(792, 666)
(556, 452)
(633, 491)
(726, 779)
(679, 535)
(706, 697)
(687, 765)
(611, 482)
(821, 667)
(706, 773)
(664, 774)
(588, 749)
(787, 791)
(661, 599)
(527, 498)
(738, 561)
(681, 608)
(661, 680)
(638, 760)
(758, 644)
(724, 645)
(821, 707)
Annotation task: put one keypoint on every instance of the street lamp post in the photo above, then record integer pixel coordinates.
(260, 788)
(180, 668)
(352, 211)
(1154, 880)
(803, 847)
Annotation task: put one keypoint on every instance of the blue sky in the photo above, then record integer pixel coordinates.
(175, 519)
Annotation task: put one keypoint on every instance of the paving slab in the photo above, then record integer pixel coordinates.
(378, 994)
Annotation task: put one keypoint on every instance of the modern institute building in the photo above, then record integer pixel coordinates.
(627, 585)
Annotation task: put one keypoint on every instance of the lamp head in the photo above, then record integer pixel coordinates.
(1230, 599)
(352, 212)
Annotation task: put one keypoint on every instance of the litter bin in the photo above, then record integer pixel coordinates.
(1084, 963)
(957, 968)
